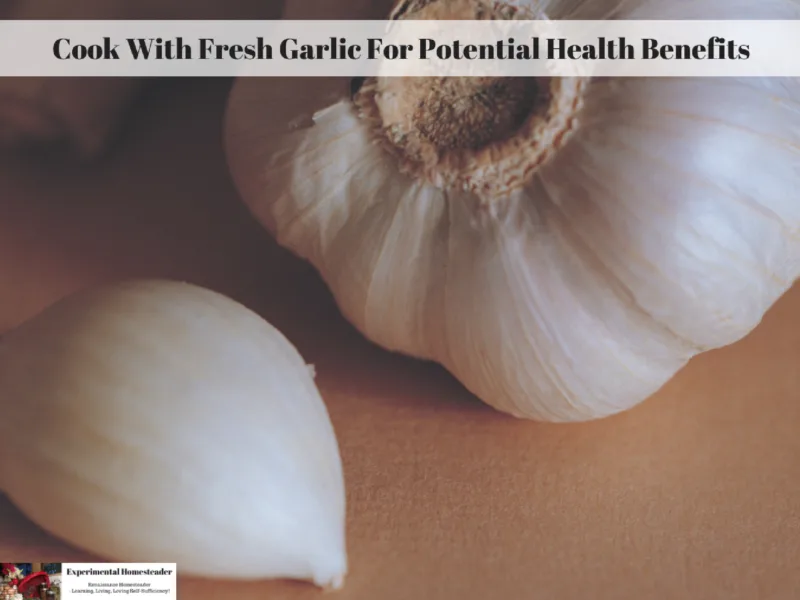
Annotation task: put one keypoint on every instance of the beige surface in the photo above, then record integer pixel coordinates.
(695, 495)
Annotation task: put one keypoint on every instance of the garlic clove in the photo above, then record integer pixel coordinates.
(173, 424)
(564, 273)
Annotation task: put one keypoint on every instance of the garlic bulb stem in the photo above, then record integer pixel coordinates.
(487, 135)
(173, 425)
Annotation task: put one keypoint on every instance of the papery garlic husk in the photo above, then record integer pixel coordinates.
(563, 270)
(156, 421)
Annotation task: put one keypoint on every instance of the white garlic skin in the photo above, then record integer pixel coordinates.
(167, 423)
(667, 226)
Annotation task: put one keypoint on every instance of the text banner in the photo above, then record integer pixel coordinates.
(150, 580)
(400, 48)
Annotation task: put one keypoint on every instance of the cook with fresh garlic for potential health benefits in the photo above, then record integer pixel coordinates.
(129, 383)
(563, 246)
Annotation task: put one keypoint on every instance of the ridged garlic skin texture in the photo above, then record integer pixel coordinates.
(667, 226)
(169, 423)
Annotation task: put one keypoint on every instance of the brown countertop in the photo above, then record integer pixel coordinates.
(694, 495)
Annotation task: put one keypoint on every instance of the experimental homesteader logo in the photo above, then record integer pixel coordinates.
(154, 580)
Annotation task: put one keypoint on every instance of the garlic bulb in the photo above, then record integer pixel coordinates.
(563, 247)
(168, 423)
